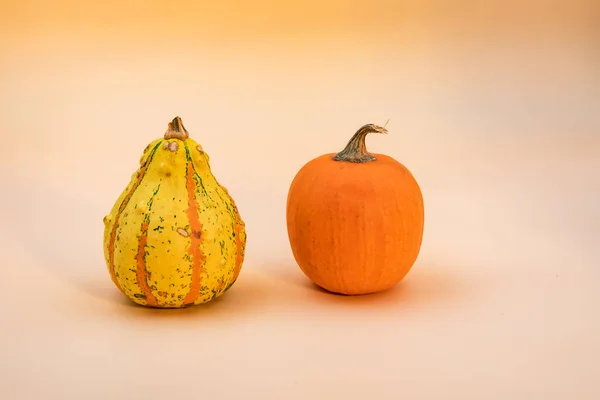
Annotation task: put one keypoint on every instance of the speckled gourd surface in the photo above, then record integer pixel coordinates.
(174, 237)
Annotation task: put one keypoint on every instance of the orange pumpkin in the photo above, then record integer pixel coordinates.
(354, 219)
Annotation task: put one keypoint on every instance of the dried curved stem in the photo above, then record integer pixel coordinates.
(356, 149)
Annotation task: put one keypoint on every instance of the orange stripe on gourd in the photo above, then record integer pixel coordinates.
(113, 233)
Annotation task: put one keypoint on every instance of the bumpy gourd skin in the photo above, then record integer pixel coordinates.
(174, 237)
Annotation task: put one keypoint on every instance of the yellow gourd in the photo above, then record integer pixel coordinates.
(174, 237)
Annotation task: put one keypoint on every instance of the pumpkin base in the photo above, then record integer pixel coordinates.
(357, 293)
(350, 285)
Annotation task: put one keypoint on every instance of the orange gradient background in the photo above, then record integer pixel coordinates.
(493, 106)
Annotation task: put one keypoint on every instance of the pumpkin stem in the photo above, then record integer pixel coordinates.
(176, 130)
(356, 149)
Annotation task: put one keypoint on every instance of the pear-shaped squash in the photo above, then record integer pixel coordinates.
(174, 237)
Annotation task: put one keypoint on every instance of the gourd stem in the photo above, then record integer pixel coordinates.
(176, 130)
(356, 149)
